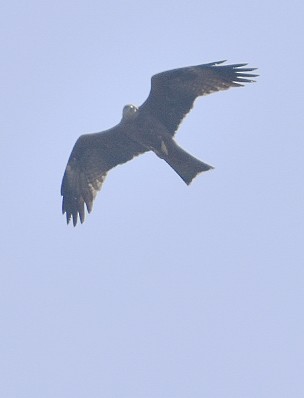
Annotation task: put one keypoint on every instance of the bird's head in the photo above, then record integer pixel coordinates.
(129, 112)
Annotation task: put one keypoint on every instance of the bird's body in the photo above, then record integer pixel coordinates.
(150, 127)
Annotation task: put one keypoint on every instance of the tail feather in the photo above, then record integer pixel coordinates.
(185, 165)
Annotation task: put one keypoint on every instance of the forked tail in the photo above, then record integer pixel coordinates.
(185, 165)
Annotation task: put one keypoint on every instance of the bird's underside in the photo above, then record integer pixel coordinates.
(151, 127)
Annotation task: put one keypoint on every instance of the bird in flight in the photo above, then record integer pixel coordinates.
(150, 127)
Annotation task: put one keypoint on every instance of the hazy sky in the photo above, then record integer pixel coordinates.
(166, 291)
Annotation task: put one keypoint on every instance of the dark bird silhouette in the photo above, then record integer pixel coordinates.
(150, 127)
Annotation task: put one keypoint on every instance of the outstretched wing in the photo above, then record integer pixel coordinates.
(92, 157)
(173, 92)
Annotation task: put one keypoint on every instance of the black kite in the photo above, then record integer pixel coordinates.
(150, 127)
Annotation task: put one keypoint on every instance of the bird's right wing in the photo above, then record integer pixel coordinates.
(92, 157)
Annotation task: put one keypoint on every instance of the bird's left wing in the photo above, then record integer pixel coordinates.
(173, 92)
(92, 157)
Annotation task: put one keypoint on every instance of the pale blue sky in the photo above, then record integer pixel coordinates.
(166, 291)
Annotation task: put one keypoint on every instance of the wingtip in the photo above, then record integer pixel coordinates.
(68, 218)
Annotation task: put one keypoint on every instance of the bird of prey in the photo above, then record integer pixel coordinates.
(150, 127)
